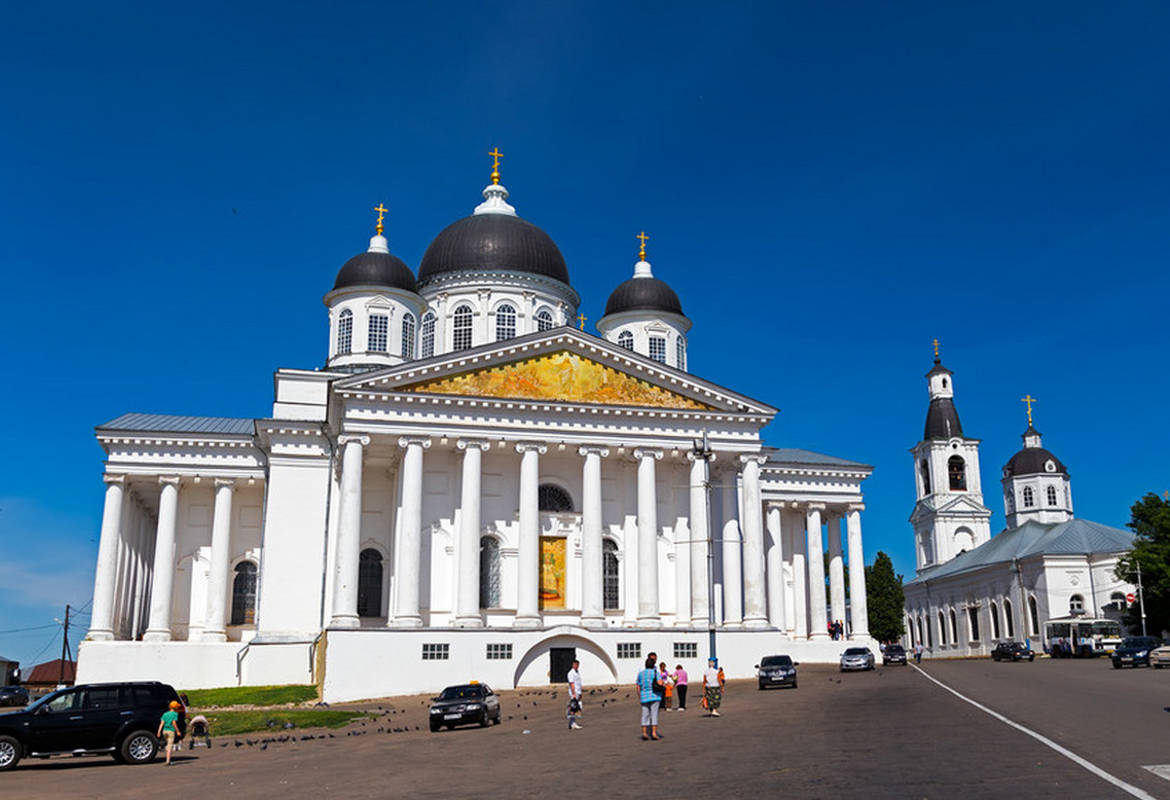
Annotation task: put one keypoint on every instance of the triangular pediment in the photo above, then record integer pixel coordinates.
(959, 504)
(560, 366)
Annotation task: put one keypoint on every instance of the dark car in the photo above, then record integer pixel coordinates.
(776, 671)
(1134, 651)
(13, 696)
(117, 719)
(467, 704)
(894, 654)
(1012, 651)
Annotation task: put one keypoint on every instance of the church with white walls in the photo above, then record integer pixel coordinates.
(1046, 579)
(472, 486)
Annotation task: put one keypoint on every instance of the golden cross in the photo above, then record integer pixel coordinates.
(936, 349)
(642, 249)
(581, 318)
(381, 209)
(1029, 399)
(497, 155)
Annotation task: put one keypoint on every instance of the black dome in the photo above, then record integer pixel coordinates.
(493, 241)
(942, 420)
(1030, 461)
(376, 269)
(643, 294)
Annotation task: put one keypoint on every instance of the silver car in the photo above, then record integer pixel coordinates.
(856, 658)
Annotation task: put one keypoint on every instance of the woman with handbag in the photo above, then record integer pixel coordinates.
(649, 696)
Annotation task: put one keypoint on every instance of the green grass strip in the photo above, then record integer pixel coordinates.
(251, 696)
(230, 723)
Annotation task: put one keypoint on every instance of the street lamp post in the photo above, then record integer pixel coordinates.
(702, 451)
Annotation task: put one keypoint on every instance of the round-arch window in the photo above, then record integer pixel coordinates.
(554, 498)
(244, 594)
(1076, 604)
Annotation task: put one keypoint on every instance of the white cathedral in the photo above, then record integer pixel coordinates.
(1046, 578)
(472, 488)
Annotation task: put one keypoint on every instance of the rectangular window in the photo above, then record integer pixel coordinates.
(379, 329)
(629, 650)
(686, 650)
(436, 652)
(499, 652)
(658, 349)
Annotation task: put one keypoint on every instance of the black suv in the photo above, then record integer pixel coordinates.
(469, 703)
(1011, 651)
(13, 696)
(117, 719)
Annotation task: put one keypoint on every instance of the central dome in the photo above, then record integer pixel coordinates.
(485, 242)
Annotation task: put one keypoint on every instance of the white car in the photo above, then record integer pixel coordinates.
(1160, 657)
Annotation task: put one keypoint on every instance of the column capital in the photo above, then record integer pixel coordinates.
(354, 438)
(221, 483)
(587, 450)
(169, 480)
(647, 452)
(407, 441)
(855, 507)
(114, 480)
(747, 458)
(528, 447)
(693, 458)
(814, 506)
(464, 444)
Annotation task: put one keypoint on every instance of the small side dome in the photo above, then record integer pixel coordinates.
(643, 294)
(1032, 461)
(376, 269)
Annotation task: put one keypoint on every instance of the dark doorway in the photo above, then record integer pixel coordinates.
(560, 661)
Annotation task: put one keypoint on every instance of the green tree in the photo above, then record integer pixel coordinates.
(1150, 520)
(885, 600)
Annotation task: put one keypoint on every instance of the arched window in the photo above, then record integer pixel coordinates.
(957, 473)
(994, 621)
(925, 477)
(489, 572)
(921, 638)
(1029, 498)
(1033, 616)
(626, 340)
(1009, 618)
(461, 328)
(929, 631)
(910, 628)
(954, 628)
(1051, 495)
(658, 349)
(610, 582)
(1117, 601)
(408, 337)
(1076, 604)
(680, 353)
(345, 333)
(544, 320)
(942, 629)
(378, 333)
(554, 499)
(964, 540)
(428, 335)
(973, 619)
(244, 594)
(505, 322)
(369, 583)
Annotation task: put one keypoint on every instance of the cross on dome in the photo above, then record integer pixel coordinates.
(642, 250)
(381, 209)
(1029, 400)
(497, 155)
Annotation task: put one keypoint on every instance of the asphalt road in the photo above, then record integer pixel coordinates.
(889, 733)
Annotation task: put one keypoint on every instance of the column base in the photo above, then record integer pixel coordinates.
(100, 635)
(405, 622)
(156, 635)
(732, 626)
(468, 622)
(700, 622)
(526, 622)
(213, 636)
(683, 623)
(592, 622)
(756, 623)
(345, 621)
(649, 623)
(819, 635)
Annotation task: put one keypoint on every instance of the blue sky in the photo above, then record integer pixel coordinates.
(827, 186)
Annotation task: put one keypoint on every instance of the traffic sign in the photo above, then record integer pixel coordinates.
(1129, 598)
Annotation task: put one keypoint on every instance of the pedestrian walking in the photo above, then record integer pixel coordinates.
(918, 653)
(667, 686)
(713, 687)
(168, 727)
(648, 696)
(680, 686)
(574, 710)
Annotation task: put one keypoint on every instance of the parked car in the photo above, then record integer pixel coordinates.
(1134, 651)
(13, 696)
(857, 658)
(1012, 651)
(776, 671)
(1160, 656)
(466, 704)
(117, 719)
(894, 654)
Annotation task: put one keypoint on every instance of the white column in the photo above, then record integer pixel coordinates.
(836, 570)
(159, 627)
(349, 533)
(798, 548)
(818, 620)
(592, 612)
(754, 589)
(101, 625)
(215, 629)
(648, 538)
(732, 579)
(467, 591)
(699, 533)
(859, 614)
(774, 562)
(406, 613)
(682, 566)
(528, 557)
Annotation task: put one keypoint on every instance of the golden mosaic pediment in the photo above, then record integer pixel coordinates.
(562, 377)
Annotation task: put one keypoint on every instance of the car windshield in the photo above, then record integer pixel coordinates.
(461, 693)
(776, 661)
(895, 648)
(1139, 641)
(856, 651)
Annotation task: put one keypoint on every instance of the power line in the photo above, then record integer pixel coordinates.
(37, 657)
(34, 628)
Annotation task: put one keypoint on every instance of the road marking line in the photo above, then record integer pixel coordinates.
(1161, 770)
(1064, 751)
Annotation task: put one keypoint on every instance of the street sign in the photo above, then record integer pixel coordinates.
(1129, 598)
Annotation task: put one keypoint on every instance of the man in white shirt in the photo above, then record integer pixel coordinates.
(574, 680)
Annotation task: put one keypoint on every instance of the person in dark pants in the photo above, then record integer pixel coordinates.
(680, 686)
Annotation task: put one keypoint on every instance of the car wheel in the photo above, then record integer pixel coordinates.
(483, 721)
(794, 683)
(435, 726)
(1116, 665)
(496, 719)
(761, 685)
(140, 747)
(10, 752)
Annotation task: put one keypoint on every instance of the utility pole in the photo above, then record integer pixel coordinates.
(702, 450)
(1141, 594)
(64, 648)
